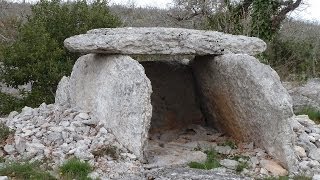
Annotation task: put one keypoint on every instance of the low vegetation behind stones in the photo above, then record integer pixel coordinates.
(313, 114)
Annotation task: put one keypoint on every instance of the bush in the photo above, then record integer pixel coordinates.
(75, 169)
(38, 55)
(4, 132)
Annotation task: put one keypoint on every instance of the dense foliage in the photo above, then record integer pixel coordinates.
(38, 56)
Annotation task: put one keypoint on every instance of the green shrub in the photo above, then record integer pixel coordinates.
(4, 132)
(211, 162)
(313, 114)
(75, 169)
(241, 166)
(25, 171)
(38, 55)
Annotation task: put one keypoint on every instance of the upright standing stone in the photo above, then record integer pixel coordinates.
(245, 99)
(116, 90)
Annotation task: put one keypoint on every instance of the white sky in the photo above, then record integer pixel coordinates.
(310, 10)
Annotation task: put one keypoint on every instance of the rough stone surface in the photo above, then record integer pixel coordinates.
(194, 174)
(174, 99)
(245, 99)
(62, 96)
(157, 40)
(230, 164)
(116, 90)
(274, 168)
(304, 95)
(315, 154)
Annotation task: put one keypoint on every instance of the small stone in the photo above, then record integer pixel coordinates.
(301, 152)
(274, 168)
(312, 139)
(304, 165)
(4, 178)
(315, 154)
(94, 175)
(65, 123)
(314, 164)
(13, 114)
(27, 111)
(9, 148)
(316, 177)
(230, 164)
(223, 149)
(264, 171)
(84, 116)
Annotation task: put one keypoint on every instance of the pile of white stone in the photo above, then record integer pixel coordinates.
(307, 144)
(52, 134)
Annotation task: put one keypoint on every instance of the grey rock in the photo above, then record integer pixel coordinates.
(301, 152)
(223, 149)
(83, 116)
(116, 90)
(243, 98)
(157, 40)
(303, 165)
(4, 178)
(230, 164)
(9, 149)
(62, 96)
(315, 154)
(179, 173)
(273, 167)
(316, 177)
(305, 95)
(314, 164)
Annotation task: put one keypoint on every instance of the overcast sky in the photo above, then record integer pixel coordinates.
(310, 10)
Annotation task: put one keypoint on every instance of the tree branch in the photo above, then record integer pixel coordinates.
(276, 21)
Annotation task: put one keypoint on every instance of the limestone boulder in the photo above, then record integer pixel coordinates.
(158, 40)
(246, 99)
(117, 91)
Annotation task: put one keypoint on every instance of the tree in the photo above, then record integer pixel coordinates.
(38, 55)
(261, 18)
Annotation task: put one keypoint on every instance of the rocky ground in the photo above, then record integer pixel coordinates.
(52, 134)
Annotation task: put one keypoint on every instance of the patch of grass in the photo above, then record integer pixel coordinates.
(4, 132)
(241, 166)
(75, 169)
(301, 177)
(25, 171)
(211, 162)
(313, 114)
(230, 143)
(111, 151)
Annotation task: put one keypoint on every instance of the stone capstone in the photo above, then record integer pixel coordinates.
(158, 40)
(117, 91)
(245, 99)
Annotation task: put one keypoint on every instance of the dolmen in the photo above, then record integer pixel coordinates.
(234, 92)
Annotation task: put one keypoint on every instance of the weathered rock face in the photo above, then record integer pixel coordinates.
(306, 95)
(245, 99)
(116, 90)
(157, 40)
(174, 100)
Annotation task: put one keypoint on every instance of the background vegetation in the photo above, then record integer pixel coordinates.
(31, 37)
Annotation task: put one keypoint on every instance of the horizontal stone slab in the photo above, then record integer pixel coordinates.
(166, 41)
